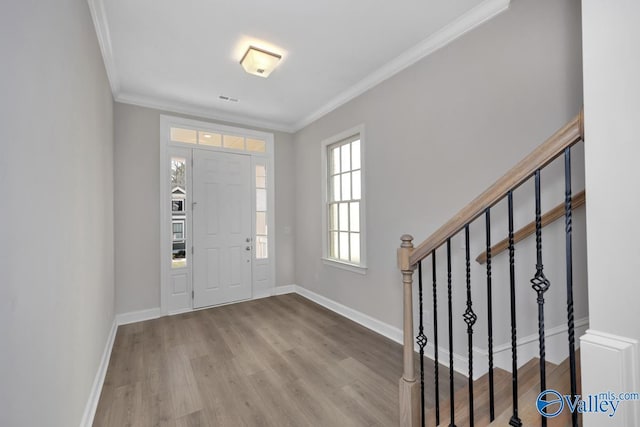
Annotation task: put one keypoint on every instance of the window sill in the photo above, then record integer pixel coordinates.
(360, 269)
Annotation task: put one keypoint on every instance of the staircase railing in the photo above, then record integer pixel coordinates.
(412, 392)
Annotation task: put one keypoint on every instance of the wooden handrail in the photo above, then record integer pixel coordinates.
(554, 214)
(570, 134)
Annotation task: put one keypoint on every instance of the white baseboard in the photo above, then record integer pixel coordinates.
(288, 289)
(138, 316)
(171, 313)
(154, 313)
(384, 329)
(262, 293)
(96, 388)
(527, 346)
(556, 339)
(460, 363)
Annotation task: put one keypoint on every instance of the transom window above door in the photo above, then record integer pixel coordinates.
(214, 139)
(217, 216)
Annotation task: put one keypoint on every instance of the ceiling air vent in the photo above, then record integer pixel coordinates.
(227, 98)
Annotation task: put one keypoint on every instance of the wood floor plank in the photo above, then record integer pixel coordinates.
(278, 361)
(195, 419)
(182, 383)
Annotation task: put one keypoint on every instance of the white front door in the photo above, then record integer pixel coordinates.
(221, 227)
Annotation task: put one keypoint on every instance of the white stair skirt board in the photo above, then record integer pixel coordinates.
(611, 363)
(556, 339)
(557, 346)
(96, 388)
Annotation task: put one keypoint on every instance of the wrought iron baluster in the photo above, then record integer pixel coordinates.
(492, 414)
(540, 284)
(435, 336)
(422, 341)
(470, 319)
(451, 391)
(569, 261)
(515, 420)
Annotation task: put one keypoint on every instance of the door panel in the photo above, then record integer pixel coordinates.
(222, 225)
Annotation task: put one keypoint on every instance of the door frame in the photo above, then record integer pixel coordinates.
(257, 158)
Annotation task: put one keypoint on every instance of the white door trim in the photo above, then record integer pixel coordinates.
(268, 158)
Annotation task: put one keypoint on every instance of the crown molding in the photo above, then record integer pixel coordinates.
(202, 112)
(465, 23)
(99, 17)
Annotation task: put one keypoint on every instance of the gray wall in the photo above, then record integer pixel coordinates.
(56, 170)
(137, 216)
(439, 133)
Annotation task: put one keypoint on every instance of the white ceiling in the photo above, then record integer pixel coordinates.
(182, 55)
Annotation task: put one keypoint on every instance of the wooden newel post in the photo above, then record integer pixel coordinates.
(409, 387)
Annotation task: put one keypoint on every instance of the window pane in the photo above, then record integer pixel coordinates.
(261, 223)
(356, 185)
(177, 205)
(344, 246)
(234, 142)
(334, 162)
(261, 199)
(333, 217)
(256, 145)
(178, 230)
(210, 139)
(346, 186)
(334, 192)
(355, 155)
(346, 158)
(344, 216)
(262, 227)
(261, 176)
(344, 191)
(355, 247)
(183, 135)
(178, 182)
(333, 245)
(178, 178)
(262, 247)
(354, 216)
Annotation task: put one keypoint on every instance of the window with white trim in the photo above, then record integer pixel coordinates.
(344, 207)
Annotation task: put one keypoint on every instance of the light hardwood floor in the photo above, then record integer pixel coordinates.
(278, 361)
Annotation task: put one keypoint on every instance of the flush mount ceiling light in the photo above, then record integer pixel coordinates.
(259, 62)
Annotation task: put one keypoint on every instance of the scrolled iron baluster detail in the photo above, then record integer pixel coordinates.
(515, 419)
(540, 284)
(470, 319)
(435, 337)
(569, 262)
(421, 339)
